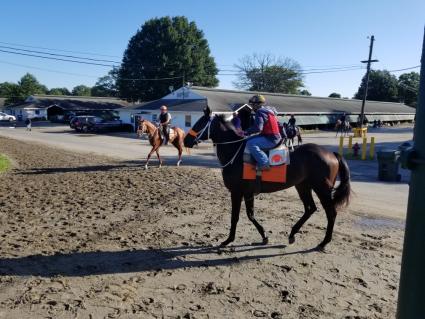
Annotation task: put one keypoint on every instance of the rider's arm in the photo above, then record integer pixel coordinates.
(258, 125)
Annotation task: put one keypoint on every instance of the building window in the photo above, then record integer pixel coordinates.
(188, 120)
(37, 112)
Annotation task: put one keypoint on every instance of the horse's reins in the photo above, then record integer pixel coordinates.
(198, 135)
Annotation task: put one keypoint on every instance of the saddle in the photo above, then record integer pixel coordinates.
(278, 160)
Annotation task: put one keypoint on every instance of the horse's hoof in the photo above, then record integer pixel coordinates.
(265, 241)
(291, 239)
(146, 166)
(178, 163)
(225, 243)
(320, 248)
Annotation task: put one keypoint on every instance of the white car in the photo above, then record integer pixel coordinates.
(7, 117)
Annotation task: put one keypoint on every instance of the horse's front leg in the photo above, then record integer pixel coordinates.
(154, 148)
(236, 208)
(159, 158)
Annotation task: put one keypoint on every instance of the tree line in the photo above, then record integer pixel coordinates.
(166, 53)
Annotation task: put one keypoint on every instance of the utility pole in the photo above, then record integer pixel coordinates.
(411, 295)
(368, 61)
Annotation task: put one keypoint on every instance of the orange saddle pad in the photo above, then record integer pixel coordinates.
(276, 174)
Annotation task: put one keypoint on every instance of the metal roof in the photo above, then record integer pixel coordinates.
(74, 103)
(287, 103)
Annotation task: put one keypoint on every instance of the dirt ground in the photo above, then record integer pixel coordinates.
(83, 236)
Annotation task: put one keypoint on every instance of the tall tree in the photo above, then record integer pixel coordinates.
(382, 87)
(335, 95)
(408, 88)
(165, 47)
(106, 85)
(59, 91)
(264, 72)
(81, 90)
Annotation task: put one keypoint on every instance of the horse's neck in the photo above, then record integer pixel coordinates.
(150, 128)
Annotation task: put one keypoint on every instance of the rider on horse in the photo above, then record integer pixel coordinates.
(164, 123)
(266, 125)
(292, 121)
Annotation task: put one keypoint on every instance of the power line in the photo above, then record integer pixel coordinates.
(48, 70)
(57, 59)
(91, 76)
(79, 52)
(54, 54)
(413, 67)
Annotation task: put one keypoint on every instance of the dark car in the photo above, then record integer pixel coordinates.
(90, 123)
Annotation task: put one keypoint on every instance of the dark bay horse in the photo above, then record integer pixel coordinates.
(291, 133)
(342, 127)
(155, 139)
(312, 168)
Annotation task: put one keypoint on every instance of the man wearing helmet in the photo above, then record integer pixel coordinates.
(164, 123)
(292, 121)
(266, 125)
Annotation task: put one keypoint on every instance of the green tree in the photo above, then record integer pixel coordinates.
(27, 85)
(335, 95)
(264, 72)
(408, 88)
(106, 85)
(59, 91)
(11, 92)
(81, 90)
(165, 48)
(382, 87)
(304, 92)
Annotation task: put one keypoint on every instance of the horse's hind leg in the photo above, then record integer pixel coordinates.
(325, 196)
(249, 205)
(305, 193)
(178, 144)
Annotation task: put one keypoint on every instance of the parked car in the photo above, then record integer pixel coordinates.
(90, 123)
(7, 117)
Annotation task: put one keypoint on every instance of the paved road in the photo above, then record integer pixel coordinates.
(371, 197)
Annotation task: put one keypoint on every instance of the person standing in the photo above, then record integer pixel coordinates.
(28, 123)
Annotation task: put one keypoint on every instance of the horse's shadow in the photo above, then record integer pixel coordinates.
(113, 262)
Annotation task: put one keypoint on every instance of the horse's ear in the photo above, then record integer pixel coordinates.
(207, 111)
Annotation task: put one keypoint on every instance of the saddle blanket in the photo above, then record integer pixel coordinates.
(276, 174)
(278, 160)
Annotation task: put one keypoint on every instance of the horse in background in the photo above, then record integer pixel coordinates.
(342, 128)
(289, 133)
(156, 139)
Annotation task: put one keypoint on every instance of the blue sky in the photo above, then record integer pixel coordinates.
(317, 34)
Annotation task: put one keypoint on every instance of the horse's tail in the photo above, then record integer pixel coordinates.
(300, 139)
(341, 196)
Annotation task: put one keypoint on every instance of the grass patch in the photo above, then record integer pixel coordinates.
(4, 163)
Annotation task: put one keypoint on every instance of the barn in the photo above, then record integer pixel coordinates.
(186, 107)
(59, 108)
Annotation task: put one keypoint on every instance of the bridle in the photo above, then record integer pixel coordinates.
(197, 136)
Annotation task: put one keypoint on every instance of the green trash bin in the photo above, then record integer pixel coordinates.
(388, 163)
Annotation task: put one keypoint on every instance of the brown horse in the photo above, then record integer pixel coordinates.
(156, 140)
(312, 168)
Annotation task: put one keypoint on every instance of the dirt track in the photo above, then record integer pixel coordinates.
(88, 237)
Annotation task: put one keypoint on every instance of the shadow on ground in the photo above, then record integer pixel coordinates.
(112, 262)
